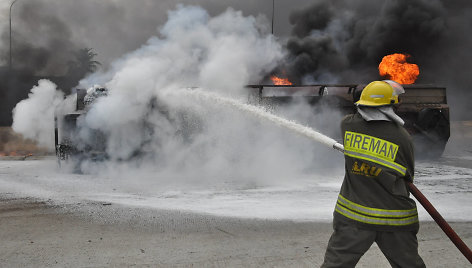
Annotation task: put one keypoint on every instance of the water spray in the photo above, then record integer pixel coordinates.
(317, 136)
(262, 113)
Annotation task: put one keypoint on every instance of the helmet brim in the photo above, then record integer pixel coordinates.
(370, 103)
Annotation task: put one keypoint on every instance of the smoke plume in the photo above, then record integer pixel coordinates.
(43, 46)
(344, 41)
(34, 117)
(47, 34)
(178, 137)
(332, 41)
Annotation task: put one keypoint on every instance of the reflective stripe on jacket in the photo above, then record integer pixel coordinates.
(376, 216)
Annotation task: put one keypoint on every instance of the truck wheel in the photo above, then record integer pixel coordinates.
(426, 148)
(433, 133)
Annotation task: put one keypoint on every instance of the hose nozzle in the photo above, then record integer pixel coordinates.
(338, 146)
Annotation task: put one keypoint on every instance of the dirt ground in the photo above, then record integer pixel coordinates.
(14, 145)
(36, 234)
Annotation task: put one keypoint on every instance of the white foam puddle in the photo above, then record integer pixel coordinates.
(448, 188)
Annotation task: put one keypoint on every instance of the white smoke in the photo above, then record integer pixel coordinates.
(34, 117)
(223, 53)
(174, 137)
(226, 51)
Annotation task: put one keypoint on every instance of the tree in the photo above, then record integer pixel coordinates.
(82, 65)
(84, 62)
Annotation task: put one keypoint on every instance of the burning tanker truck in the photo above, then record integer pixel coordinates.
(75, 143)
(66, 126)
(424, 109)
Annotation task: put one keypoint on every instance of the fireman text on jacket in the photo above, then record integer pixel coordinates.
(373, 149)
(372, 145)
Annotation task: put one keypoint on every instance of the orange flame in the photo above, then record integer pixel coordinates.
(280, 81)
(395, 68)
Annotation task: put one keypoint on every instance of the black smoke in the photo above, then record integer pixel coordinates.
(349, 40)
(42, 47)
(46, 34)
(49, 38)
(332, 41)
(344, 41)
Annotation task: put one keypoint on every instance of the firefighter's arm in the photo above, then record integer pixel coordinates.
(394, 182)
(409, 153)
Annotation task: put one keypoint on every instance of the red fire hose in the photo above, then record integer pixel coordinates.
(440, 221)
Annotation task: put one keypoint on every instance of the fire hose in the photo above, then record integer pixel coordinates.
(434, 214)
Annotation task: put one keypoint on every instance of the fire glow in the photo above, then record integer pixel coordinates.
(395, 67)
(280, 81)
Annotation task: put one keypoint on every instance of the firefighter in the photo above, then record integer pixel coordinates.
(374, 204)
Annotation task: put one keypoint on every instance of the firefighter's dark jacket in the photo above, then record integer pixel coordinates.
(379, 159)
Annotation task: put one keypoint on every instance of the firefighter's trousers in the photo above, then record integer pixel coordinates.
(348, 243)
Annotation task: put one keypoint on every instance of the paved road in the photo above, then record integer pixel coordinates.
(36, 234)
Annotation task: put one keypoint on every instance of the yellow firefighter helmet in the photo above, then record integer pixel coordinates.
(378, 93)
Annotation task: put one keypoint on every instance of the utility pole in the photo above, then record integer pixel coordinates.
(9, 63)
(273, 8)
